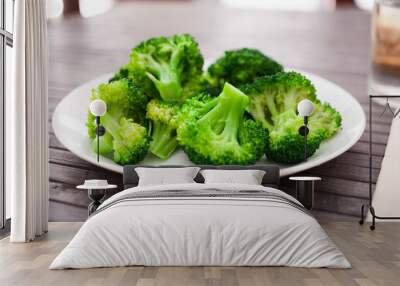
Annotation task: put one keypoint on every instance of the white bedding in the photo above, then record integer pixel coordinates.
(200, 231)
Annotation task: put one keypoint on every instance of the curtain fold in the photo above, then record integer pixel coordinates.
(27, 123)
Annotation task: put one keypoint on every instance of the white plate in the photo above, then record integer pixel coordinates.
(69, 120)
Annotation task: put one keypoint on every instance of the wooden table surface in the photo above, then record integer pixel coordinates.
(333, 45)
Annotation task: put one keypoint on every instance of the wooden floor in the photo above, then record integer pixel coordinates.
(375, 257)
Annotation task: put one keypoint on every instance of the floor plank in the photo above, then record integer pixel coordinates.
(375, 257)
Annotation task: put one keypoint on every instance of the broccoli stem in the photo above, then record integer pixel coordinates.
(166, 78)
(111, 124)
(164, 140)
(105, 146)
(225, 118)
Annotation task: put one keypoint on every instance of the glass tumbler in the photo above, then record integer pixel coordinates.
(384, 75)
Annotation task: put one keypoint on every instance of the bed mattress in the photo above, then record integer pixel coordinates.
(201, 225)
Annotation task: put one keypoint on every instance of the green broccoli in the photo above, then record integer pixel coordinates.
(216, 131)
(241, 66)
(286, 145)
(206, 86)
(273, 102)
(325, 119)
(167, 68)
(105, 144)
(122, 73)
(129, 140)
(273, 95)
(163, 117)
(135, 101)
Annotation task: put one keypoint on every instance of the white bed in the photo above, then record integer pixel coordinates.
(203, 230)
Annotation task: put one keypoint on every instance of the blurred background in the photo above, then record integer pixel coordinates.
(89, 8)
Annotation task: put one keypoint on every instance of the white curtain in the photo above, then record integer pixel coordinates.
(27, 124)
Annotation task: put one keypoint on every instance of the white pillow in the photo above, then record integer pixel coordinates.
(248, 177)
(166, 176)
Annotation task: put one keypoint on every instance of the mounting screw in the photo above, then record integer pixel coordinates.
(100, 130)
(303, 130)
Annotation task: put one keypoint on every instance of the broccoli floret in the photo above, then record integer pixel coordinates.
(133, 101)
(325, 119)
(241, 66)
(91, 126)
(137, 104)
(286, 145)
(168, 68)
(129, 140)
(273, 102)
(273, 95)
(163, 117)
(123, 73)
(207, 86)
(215, 130)
(105, 144)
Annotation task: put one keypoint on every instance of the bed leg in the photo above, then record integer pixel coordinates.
(96, 196)
(361, 222)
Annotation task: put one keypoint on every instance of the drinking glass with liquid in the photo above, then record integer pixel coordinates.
(384, 76)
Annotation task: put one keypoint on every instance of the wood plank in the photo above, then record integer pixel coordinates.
(363, 148)
(338, 204)
(67, 194)
(358, 160)
(378, 138)
(61, 212)
(359, 174)
(76, 176)
(64, 157)
(54, 143)
(374, 257)
(337, 186)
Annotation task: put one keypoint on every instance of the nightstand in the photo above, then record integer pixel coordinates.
(96, 193)
(305, 187)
